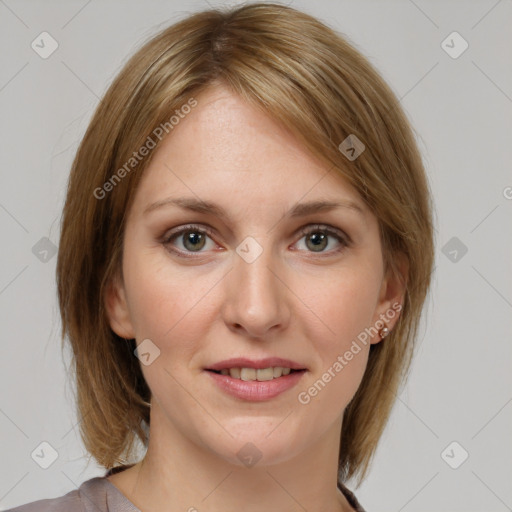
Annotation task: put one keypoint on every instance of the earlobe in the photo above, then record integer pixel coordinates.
(392, 296)
(117, 309)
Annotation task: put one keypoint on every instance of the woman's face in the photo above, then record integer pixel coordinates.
(254, 282)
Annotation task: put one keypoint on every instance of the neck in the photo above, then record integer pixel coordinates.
(178, 474)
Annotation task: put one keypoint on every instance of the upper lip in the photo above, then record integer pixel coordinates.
(268, 362)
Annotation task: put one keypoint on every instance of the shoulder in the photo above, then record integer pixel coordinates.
(89, 497)
(68, 502)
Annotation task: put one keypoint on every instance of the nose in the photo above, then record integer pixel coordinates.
(256, 302)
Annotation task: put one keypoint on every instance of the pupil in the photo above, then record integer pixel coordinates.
(318, 239)
(192, 239)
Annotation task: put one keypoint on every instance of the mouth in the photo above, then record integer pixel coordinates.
(257, 374)
(255, 384)
(261, 370)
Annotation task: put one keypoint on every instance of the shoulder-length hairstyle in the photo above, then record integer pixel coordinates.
(309, 78)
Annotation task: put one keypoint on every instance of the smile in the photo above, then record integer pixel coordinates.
(260, 374)
(255, 384)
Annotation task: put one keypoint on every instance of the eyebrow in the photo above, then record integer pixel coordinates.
(207, 207)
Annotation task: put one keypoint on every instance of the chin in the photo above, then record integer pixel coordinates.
(257, 442)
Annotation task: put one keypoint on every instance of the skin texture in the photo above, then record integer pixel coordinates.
(296, 300)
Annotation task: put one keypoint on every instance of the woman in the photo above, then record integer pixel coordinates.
(245, 251)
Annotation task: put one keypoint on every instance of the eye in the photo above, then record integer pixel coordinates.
(193, 239)
(317, 238)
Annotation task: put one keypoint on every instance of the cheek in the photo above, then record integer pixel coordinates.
(343, 358)
(345, 305)
(163, 302)
(342, 307)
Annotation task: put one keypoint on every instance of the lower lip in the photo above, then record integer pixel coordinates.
(255, 390)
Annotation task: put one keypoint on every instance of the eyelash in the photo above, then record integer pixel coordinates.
(305, 231)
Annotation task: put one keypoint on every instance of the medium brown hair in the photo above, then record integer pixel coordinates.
(313, 81)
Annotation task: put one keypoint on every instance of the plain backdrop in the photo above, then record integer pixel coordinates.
(458, 400)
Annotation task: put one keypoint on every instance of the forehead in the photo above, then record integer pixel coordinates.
(228, 151)
(226, 130)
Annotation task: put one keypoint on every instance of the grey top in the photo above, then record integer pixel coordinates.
(100, 495)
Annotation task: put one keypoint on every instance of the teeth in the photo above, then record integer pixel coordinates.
(262, 374)
(234, 372)
(265, 374)
(247, 373)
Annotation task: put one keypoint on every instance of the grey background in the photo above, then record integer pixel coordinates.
(460, 385)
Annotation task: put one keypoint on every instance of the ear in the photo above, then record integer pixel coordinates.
(392, 294)
(117, 308)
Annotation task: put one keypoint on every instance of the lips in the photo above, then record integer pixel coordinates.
(255, 390)
(268, 362)
(256, 379)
